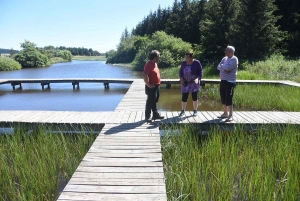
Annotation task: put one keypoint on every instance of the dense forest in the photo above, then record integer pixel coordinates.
(256, 28)
(8, 51)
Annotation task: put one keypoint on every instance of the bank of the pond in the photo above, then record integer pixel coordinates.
(36, 165)
(260, 97)
(89, 58)
(233, 165)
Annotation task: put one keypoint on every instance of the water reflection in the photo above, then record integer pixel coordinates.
(170, 100)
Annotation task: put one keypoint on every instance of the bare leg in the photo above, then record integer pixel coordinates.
(195, 105)
(225, 110)
(230, 110)
(183, 105)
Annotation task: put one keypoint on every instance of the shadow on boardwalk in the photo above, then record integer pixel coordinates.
(133, 127)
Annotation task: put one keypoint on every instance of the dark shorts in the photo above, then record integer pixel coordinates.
(226, 92)
(186, 95)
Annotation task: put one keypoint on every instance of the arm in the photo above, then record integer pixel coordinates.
(231, 64)
(220, 64)
(146, 80)
(200, 71)
(181, 73)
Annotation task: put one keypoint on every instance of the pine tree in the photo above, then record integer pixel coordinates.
(290, 22)
(215, 27)
(254, 32)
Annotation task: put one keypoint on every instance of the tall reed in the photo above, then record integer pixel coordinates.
(259, 97)
(233, 165)
(33, 164)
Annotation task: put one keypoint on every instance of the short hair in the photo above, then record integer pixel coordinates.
(230, 48)
(190, 54)
(154, 54)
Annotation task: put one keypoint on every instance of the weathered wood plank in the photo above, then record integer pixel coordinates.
(120, 169)
(111, 197)
(115, 189)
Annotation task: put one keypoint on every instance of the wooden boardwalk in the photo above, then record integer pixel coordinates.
(8, 117)
(125, 161)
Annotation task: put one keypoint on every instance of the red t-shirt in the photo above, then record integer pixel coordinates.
(151, 69)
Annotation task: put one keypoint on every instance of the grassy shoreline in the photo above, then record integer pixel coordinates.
(89, 58)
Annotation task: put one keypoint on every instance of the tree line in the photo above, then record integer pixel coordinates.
(257, 28)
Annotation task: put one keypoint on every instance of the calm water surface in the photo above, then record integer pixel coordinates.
(89, 97)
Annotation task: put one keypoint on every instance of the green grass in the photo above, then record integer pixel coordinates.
(55, 60)
(261, 165)
(89, 58)
(253, 97)
(34, 165)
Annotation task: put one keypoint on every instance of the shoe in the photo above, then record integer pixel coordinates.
(148, 120)
(195, 113)
(157, 116)
(182, 113)
(229, 119)
(223, 116)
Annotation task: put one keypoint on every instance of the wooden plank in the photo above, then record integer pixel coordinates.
(120, 164)
(115, 189)
(111, 197)
(120, 169)
(130, 151)
(117, 181)
(128, 160)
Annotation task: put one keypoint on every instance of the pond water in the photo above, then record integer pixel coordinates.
(89, 97)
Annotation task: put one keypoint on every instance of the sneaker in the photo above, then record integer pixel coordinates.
(157, 116)
(223, 116)
(182, 113)
(229, 119)
(195, 113)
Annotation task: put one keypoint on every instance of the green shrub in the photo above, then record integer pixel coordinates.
(65, 54)
(127, 49)
(7, 64)
(172, 50)
(30, 57)
(276, 67)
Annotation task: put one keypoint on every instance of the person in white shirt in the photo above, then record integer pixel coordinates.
(228, 71)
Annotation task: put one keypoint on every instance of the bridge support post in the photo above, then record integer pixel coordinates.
(13, 84)
(168, 86)
(106, 85)
(75, 83)
(45, 83)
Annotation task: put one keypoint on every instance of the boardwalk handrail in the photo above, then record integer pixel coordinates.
(106, 81)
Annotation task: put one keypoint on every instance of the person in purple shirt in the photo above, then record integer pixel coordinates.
(228, 71)
(190, 74)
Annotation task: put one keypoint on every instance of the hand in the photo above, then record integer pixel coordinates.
(181, 81)
(151, 86)
(227, 71)
(196, 80)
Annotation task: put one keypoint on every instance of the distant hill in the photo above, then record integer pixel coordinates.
(7, 51)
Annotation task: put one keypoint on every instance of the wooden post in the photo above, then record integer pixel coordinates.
(168, 86)
(75, 83)
(106, 85)
(45, 83)
(13, 84)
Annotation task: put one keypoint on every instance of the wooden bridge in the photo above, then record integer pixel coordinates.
(125, 161)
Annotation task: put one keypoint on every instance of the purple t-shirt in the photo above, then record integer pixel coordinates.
(190, 72)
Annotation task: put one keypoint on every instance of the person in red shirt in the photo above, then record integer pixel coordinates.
(151, 77)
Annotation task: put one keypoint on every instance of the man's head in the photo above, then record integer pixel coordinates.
(154, 55)
(229, 51)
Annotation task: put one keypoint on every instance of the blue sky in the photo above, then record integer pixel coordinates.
(95, 24)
